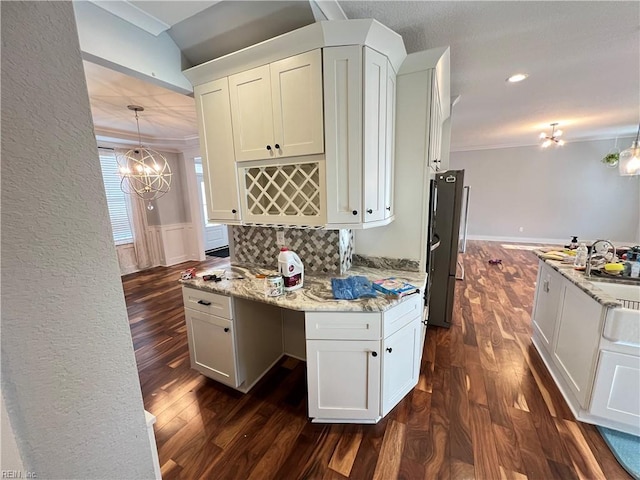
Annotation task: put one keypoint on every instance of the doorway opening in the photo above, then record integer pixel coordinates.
(215, 235)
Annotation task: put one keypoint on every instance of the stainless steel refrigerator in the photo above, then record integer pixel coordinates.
(446, 204)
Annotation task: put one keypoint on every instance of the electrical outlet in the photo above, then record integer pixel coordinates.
(280, 238)
(521, 229)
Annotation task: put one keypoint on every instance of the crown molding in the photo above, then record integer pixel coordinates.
(593, 138)
(122, 138)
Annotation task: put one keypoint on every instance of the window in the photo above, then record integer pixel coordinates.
(116, 199)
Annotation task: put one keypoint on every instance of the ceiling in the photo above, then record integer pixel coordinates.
(583, 61)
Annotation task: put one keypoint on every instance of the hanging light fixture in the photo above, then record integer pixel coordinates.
(629, 163)
(553, 138)
(144, 172)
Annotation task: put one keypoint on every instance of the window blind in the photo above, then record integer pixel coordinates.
(116, 198)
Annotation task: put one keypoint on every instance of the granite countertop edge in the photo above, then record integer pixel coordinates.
(315, 295)
(579, 280)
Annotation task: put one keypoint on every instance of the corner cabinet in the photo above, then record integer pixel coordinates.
(306, 135)
(218, 160)
(276, 109)
(360, 94)
(360, 365)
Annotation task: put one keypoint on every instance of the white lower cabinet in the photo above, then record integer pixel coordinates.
(362, 376)
(617, 388)
(400, 364)
(546, 302)
(575, 348)
(343, 379)
(212, 347)
(597, 373)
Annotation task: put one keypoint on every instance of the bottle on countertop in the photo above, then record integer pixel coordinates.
(635, 269)
(291, 268)
(574, 242)
(581, 256)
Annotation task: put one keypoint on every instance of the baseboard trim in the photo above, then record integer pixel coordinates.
(489, 238)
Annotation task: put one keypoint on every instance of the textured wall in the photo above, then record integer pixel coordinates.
(69, 375)
(321, 251)
(551, 194)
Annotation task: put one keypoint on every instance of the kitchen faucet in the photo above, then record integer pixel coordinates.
(587, 271)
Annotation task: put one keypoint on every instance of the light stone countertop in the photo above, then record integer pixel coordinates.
(315, 295)
(583, 283)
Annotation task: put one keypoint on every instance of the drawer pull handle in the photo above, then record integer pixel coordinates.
(204, 302)
(374, 354)
(389, 349)
(226, 329)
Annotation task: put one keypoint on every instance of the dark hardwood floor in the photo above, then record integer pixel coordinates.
(485, 406)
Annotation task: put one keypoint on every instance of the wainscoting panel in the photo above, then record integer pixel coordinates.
(127, 258)
(172, 244)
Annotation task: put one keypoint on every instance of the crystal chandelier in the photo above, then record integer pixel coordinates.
(553, 138)
(629, 163)
(144, 172)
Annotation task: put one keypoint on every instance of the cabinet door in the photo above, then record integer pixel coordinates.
(343, 379)
(252, 115)
(575, 347)
(375, 134)
(343, 124)
(390, 141)
(547, 301)
(616, 393)
(212, 347)
(400, 364)
(296, 93)
(216, 142)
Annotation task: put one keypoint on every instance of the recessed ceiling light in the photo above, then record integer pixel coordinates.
(518, 77)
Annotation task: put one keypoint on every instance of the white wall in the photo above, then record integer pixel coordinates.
(552, 193)
(114, 43)
(69, 377)
(172, 207)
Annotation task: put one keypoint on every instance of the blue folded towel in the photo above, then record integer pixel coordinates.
(351, 288)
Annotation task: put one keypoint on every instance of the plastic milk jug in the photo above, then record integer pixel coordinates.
(291, 268)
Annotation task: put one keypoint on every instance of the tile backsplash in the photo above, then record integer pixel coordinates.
(321, 251)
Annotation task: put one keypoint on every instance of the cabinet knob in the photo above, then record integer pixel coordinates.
(369, 211)
(388, 209)
(374, 354)
(389, 349)
(269, 147)
(355, 212)
(234, 211)
(226, 329)
(277, 146)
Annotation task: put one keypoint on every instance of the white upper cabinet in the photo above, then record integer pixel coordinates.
(296, 90)
(277, 109)
(251, 114)
(375, 133)
(216, 143)
(359, 94)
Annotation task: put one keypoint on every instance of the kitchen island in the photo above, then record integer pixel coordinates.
(587, 332)
(363, 356)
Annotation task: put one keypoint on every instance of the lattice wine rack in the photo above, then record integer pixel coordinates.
(285, 191)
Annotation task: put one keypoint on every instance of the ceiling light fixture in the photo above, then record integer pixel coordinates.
(553, 138)
(144, 172)
(629, 163)
(518, 77)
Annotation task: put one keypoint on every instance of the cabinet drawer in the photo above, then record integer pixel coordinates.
(400, 315)
(207, 302)
(342, 326)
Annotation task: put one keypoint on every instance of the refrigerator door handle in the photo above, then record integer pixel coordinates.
(435, 245)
